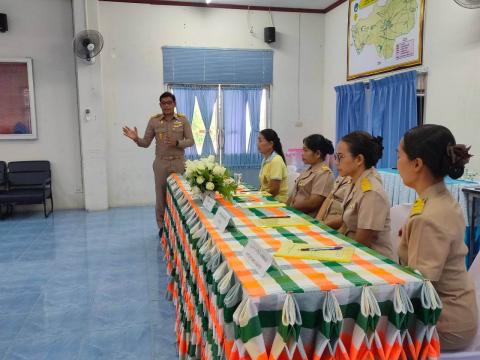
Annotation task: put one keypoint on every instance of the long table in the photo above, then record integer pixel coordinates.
(300, 309)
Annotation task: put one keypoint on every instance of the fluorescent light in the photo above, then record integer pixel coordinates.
(208, 1)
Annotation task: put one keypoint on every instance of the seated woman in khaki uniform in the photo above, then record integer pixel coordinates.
(330, 213)
(366, 209)
(273, 173)
(314, 184)
(432, 240)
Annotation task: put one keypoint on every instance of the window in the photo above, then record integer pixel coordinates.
(421, 92)
(231, 132)
(225, 94)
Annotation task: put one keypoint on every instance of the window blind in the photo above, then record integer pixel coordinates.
(188, 65)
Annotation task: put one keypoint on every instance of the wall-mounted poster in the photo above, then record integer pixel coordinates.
(17, 101)
(384, 35)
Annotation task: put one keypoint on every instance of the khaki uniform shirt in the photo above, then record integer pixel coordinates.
(367, 207)
(332, 206)
(274, 168)
(178, 129)
(432, 241)
(317, 180)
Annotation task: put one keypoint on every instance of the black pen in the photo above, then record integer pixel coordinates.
(323, 249)
(275, 217)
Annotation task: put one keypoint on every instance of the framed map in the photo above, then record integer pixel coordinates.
(17, 100)
(384, 35)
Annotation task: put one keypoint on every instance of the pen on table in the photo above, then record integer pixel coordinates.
(276, 217)
(323, 248)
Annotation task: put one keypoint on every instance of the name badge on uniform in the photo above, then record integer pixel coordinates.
(417, 207)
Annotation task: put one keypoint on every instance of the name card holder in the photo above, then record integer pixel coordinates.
(222, 219)
(258, 257)
(209, 203)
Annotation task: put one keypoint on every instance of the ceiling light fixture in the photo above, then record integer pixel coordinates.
(208, 1)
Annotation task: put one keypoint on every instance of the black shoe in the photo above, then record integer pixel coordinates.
(160, 232)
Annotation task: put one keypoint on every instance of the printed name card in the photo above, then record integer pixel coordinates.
(221, 219)
(209, 203)
(258, 257)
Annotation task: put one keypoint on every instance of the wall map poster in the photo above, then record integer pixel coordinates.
(384, 35)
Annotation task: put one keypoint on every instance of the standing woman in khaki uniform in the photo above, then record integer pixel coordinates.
(366, 209)
(313, 185)
(432, 240)
(330, 213)
(172, 133)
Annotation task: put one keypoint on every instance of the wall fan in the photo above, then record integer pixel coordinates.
(469, 4)
(87, 44)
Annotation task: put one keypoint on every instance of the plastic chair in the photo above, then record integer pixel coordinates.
(292, 175)
(398, 217)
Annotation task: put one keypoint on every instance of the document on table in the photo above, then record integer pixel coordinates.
(260, 204)
(315, 252)
(252, 193)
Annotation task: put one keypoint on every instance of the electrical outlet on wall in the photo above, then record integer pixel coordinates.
(78, 189)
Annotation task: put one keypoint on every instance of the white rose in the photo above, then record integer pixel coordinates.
(200, 166)
(211, 158)
(210, 186)
(218, 170)
(200, 180)
(229, 181)
(210, 165)
(196, 190)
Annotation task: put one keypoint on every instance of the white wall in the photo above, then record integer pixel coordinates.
(132, 68)
(451, 56)
(42, 30)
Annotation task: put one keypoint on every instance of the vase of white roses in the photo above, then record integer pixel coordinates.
(207, 177)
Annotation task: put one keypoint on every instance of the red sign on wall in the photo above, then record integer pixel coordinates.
(17, 119)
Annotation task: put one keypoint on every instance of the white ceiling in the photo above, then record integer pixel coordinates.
(304, 4)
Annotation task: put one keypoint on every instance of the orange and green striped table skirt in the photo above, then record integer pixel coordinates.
(369, 308)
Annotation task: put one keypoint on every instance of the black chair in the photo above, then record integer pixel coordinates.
(29, 182)
(3, 175)
(3, 188)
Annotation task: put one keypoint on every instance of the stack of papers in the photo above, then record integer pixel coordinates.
(315, 252)
(252, 193)
(260, 204)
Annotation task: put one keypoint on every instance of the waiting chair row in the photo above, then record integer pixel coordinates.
(26, 183)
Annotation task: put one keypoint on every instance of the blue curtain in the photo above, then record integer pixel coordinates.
(206, 100)
(185, 97)
(351, 109)
(254, 99)
(234, 115)
(393, 111)
(234, 120)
